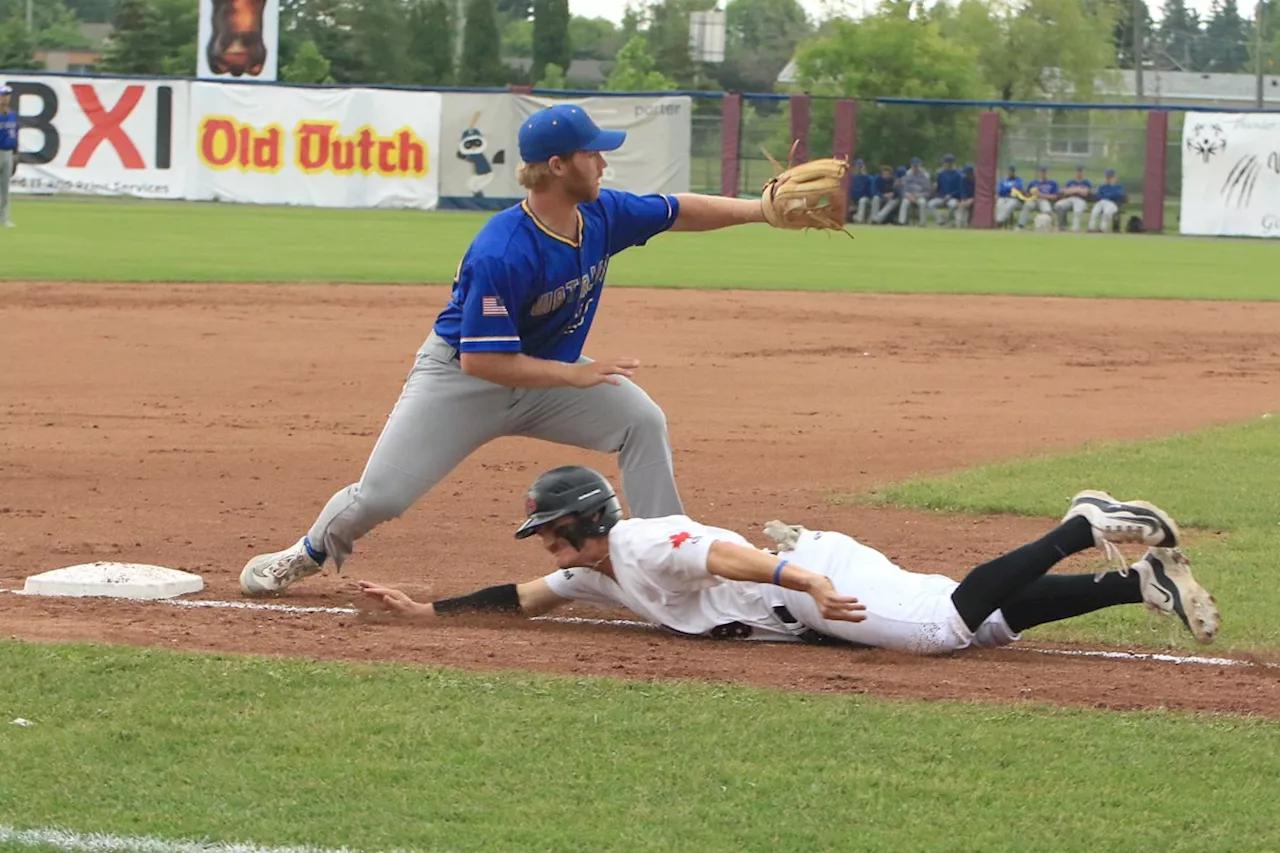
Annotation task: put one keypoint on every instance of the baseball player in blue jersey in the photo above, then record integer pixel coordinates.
(1075, 197)
(947, 198)
(1110, 196)
(1044, 192)
(861, 191)
(1006, 202)
(8, 152)
(505, 355)
(968, 186)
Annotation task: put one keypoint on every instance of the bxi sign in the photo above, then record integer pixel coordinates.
(102, 137)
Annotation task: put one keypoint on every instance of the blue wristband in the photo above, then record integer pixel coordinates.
(777, 573)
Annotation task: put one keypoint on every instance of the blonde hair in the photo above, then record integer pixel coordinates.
(533, 176)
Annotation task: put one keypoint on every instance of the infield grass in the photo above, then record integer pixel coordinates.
(134, 241)
(274, 752)
(1219, 484)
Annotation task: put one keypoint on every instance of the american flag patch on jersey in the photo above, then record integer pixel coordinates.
(491, 306)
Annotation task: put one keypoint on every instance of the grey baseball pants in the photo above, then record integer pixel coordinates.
(6, 175)
(443, 416)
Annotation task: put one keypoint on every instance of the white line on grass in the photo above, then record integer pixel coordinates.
(95, 842)
(627, 623)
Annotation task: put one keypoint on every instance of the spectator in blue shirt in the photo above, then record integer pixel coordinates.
(1075, 197)
(1110, 196)
(861, 192)
(964, 209)
(1006, 201)
(1042, 192)
(8, 152)
(886, 197)
(947, 198)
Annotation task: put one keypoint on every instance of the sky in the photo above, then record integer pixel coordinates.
(612, 9)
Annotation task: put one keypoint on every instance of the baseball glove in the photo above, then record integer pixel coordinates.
(810, 195)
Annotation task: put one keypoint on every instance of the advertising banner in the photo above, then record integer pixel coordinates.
(1231, 174)
(97, 136)
(479, 137)
(314, 147)
(238, 39)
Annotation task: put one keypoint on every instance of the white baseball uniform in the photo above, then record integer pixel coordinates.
(660, 566)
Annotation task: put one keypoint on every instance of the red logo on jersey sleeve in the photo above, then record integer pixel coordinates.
(678, 539)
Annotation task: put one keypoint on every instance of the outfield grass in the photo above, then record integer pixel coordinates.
(148, 742)
(1220, 482)
(118, 240)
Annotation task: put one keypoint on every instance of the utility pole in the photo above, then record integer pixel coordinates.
(459, 21)
(30, 19)
(1139, 20)
(1259, 23)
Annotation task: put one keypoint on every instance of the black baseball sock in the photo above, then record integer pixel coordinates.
(1054, 597)
(985, 589)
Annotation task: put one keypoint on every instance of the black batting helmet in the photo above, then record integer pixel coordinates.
(572, 490)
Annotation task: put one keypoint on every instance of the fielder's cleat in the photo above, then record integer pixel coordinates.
(1168, 587)
(268, 573)
(1117, 522)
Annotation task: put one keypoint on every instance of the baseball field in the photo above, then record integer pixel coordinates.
(185, 385)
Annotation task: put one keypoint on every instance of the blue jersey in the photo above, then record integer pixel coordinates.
(1111, 192)
(966, 187)
(1046, 187)
(523, 288)
(949, 181)
(881, 185)
(1008, 185)
(860, 187)
(1081, 182)
(8, 131)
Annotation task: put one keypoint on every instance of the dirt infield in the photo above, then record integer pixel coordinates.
(193, 426)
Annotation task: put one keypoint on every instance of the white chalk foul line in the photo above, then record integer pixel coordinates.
(628, 623)
(94, 842)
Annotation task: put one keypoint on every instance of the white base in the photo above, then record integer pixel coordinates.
(114, 580)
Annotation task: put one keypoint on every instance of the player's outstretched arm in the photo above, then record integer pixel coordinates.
(709, 212)
(533, 598)
(741, 563)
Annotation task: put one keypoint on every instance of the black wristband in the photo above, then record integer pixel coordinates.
(504, 598)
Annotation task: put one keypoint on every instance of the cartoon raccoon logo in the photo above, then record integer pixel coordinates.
(1207, 140)
(472, 147)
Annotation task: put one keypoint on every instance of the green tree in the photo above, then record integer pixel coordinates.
(635, 70)
(308, 65)
(760, 38)
(1226, 38)
(552, 78)
(1047, 48)
(593, 38)
(179, 24)
(888, 54)
(17, 48)
(94, 11)
(136, 45)
(1121, 14)
(57, 26)
(481, 62)
(668, 37)
(380, 42)
(431, 43)
(550, 35)
(517, 39)
(1177, 38)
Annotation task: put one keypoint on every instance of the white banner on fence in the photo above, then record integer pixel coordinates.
(1231, 174)
(480, 139)
(101, 137)
(314, 147)
(238, 38)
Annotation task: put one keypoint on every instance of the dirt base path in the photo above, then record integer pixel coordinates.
(194, 426)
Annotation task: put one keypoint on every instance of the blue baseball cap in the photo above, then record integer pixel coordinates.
(1012, 168)
(564, 129)
(948, 158)
(859, 162)
(1079, 167)
(916, 161)
(1111, 173)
